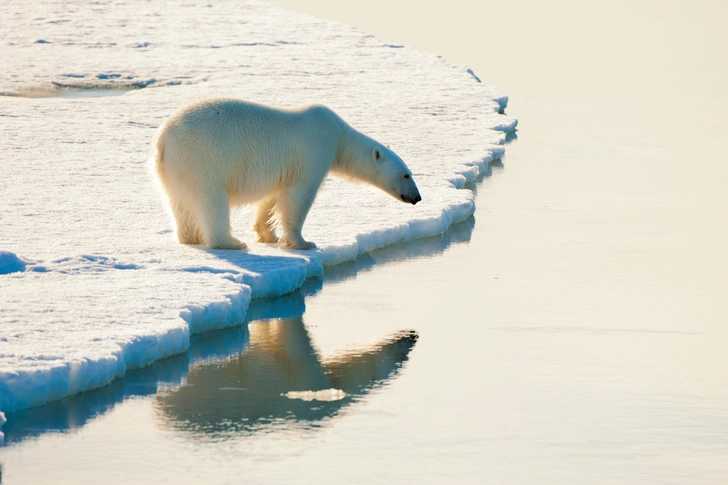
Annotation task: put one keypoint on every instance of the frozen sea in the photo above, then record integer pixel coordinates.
(572, 331)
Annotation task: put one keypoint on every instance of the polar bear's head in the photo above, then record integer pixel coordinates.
(393, 176)
(364, 159)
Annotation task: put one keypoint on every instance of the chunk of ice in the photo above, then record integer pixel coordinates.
(323, 395)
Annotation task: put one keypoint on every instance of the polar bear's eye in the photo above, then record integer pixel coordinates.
(377, 154)
(406, 176)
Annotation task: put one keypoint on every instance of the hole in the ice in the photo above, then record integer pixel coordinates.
(75, 91)
(90, 93)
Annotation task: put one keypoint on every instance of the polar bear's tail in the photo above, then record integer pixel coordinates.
(158, 159)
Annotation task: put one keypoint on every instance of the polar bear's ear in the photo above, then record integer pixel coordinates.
(377, 154)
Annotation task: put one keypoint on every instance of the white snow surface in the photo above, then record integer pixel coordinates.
(91, 281)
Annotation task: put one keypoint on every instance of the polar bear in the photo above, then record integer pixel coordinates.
(218, 153)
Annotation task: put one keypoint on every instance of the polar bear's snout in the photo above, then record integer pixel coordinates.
(412, 199)
(409, 191)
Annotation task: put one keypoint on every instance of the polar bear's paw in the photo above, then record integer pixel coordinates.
(300, 244)
(232, 243)
(267, 237)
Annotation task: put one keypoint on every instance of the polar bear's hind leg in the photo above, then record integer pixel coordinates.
(213, 216)
(187, 232)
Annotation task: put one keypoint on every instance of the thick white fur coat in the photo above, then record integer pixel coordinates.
(218, 153)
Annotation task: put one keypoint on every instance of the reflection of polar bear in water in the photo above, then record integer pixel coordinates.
(280, 369)
(221, 152)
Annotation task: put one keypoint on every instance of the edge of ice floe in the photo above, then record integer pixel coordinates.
(23, 389)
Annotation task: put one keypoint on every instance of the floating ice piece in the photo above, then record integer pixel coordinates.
(323, 395)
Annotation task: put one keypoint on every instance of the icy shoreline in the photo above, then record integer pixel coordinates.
(91, 283)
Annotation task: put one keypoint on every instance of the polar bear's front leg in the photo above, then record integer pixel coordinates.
(264, 222)
(213, 216)
(292, 207)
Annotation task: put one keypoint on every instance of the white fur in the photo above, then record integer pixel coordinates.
(218, 153)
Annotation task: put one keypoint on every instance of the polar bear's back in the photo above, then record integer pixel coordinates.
(245, 147)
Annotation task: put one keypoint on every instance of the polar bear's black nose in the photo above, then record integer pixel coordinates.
(417, 199)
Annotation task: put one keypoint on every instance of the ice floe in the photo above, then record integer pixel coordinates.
(91, 282)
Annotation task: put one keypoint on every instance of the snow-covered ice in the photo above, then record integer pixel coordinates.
(91, 281)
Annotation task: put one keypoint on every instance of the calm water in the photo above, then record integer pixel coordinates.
(573, 332)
